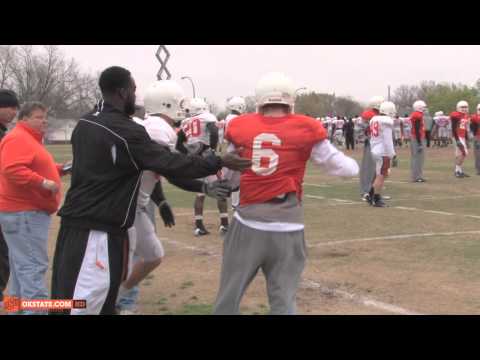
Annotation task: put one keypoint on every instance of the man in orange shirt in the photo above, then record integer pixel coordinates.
(29, 194)
(8, 111)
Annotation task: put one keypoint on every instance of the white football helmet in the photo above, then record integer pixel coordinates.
(462, 106)
(195, 106)
(375, 102)
(419, 105)
(439, 113)
(388, 108)
(275, 88)
(165, 97)
(236, 103)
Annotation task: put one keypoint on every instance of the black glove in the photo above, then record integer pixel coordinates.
(395, 161)
(219, 189)
(166, 214)
(366, 142)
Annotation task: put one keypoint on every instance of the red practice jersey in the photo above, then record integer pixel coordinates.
(366, 116)
(415, 117)
(462, 120)
(476, 120)
(279, 149)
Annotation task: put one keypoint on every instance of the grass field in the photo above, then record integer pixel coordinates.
(421, 255)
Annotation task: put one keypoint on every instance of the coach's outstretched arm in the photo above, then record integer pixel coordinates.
(158, 158)
(333, 161)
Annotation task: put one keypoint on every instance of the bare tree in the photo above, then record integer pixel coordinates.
(404, 97)
(250, 104)
(7, 57)
(48, 76)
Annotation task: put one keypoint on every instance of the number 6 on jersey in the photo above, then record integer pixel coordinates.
(259, 155)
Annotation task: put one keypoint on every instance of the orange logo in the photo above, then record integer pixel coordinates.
(15, 304)
(12, 304)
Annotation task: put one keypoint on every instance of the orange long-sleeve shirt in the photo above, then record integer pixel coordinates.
(24, 164)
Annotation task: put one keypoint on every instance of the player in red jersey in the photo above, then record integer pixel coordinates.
(460, 122)
(267, 231)
(475, 128)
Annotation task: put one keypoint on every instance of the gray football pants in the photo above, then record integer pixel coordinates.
(476, 151)
(367, 170)
(280, 255)
(417, 160)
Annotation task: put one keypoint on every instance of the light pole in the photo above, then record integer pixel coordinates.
(191, 81)
(302, 88)
(296, 91)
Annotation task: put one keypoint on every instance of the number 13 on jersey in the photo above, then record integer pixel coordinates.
(374, 128)
(264, 161)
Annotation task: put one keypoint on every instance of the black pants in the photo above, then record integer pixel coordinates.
(349, 141)
(89, 265)
(427, 137)
(4, 265)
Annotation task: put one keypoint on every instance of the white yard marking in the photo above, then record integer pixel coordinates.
(362, 300)
(318, 185)
(394, 237)
(192, 214)
(359, 299)
(352, 202)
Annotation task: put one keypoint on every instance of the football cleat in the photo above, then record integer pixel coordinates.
(378, 201)
(459, 175)
(223, 229)
(366, 197)
(201, 232)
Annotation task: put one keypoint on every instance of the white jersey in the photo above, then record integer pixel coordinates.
(339, 124)
(442, 121)
(221, 130)
(196, 128)
(397, 123)
(381, 136)
(160, 132)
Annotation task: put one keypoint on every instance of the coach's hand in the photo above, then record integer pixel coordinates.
(234, 162)
(219, 189)
(166, 214)
(50, 185)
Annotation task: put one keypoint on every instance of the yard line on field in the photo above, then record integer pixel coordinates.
(341, 201)
(430, 197)
(312, 284)
(359, 299)
(191, 213)
(394, 237)
(318, 185)
(316, 197)
(352, 202)
(182, 245)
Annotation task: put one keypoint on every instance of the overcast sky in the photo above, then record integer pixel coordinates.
(221, 71)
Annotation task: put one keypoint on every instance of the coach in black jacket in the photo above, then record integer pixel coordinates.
(109, 153)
